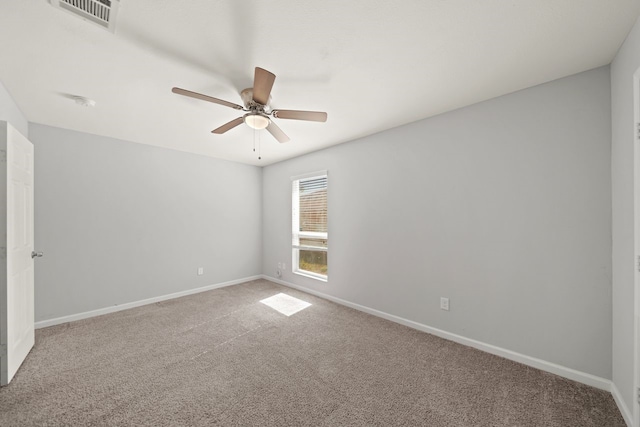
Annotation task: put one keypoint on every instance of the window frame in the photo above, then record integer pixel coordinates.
(295, 249)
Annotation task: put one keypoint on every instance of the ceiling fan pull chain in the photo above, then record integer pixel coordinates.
(254, 140)
(259, 147)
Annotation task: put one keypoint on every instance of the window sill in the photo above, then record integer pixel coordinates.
(311, 275)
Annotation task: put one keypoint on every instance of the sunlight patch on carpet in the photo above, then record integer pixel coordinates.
(285, 304)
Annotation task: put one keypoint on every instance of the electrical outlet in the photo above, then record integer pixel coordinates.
(200, 271)
(444, 303)
(284, 266)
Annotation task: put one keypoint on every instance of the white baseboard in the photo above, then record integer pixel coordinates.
(624, 409)
(572, 374)
(128, 305)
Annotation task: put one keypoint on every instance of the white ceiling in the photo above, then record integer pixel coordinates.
(370, 64)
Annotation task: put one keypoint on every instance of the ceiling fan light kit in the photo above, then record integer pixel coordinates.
(256, 102)
(256, 121)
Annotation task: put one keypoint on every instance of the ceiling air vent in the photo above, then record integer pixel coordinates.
(101, 12)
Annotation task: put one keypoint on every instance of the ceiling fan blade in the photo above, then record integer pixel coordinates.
(312, 116)
(228, 126)
(205, 98)
(262, 84)
(277, 132)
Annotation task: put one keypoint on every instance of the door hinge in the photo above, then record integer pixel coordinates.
(638, 395)
(638, 130)
(638, 262)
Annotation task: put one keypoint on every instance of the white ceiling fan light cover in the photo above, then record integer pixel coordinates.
(256, 121)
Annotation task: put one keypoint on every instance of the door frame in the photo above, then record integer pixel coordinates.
(636, 273)
(4, 366)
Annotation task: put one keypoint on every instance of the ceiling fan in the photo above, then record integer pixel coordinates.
(256, 105)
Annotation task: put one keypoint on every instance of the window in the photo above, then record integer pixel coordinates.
(309, 225)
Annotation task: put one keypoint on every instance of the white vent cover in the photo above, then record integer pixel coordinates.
(101, 12)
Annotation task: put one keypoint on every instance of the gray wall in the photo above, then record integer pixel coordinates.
(623, 67)
(503, 206)
(10, 112)
(120, 222)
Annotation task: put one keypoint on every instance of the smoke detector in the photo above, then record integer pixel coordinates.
(100, 12)
(85, 102)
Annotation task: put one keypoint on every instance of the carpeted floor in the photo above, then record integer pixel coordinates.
(223, 358)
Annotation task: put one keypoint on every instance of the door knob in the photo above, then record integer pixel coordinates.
(36, 254)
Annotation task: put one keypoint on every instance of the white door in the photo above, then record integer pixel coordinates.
(17, 323)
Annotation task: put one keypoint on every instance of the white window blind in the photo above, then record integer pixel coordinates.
(309, 226)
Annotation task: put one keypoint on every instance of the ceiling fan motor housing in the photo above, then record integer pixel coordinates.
(248, 101)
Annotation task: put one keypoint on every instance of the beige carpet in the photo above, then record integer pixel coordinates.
(223, 358)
